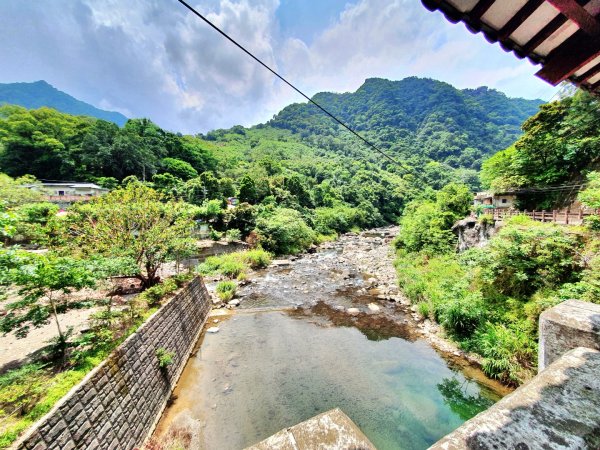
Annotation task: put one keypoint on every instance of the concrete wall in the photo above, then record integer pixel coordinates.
(557, 409)
(568, 325)
(119, 403)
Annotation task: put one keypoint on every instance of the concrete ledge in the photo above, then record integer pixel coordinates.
(558, 409)
(330, 430)
(566, 326)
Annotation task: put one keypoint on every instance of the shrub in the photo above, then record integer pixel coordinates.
(153, 295)
(233, 235)
(225, 290)
(165, 357)
(523, 259)
(338, 219)
(592, 223)
(462, 316)
(215, 235)
(486, 219)
(284, 232)
(424, 227)
(509, 352)
(232, 268)
(424, 309)
(257, 258)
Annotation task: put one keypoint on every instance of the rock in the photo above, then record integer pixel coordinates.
(353, 311)
(281, 262)
(216, 321)
(233, 302)
(213, 330)
(374, 307)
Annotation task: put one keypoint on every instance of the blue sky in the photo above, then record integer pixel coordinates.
(151, 58)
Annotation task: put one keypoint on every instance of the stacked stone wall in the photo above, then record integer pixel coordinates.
(118, 404)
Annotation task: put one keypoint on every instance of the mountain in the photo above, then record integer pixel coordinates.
(39, 93)
(418, 118)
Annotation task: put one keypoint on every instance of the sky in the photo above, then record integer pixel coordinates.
(152, 58)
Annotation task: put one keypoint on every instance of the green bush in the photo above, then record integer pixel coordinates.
(232, 268)
(509, 352)
(592, 223)
(523, 259)
(462, 316)
(165, 357)
(284, 232)
(37, 212)
(153, 295)
(424, 309)
(338, 219)
(226, 290)
(233, 235)
(257, 258)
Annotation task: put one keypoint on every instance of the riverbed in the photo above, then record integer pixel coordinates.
(325, 330)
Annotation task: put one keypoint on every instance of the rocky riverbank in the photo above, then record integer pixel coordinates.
(348, 282)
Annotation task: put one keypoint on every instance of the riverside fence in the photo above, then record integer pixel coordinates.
(563, 217)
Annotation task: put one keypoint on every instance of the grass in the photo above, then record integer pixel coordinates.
(29, 392)
(226, 290)
(234, 265)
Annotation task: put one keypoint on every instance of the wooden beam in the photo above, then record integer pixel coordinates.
(569, 57)
(544, 33)
(590, 73)
(480, 9)
(548, 30)
(516, 20)
(578, 14)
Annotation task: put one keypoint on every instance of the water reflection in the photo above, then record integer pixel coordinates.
(266, 371)
(457, 396)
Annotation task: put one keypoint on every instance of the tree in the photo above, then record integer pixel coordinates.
(247, 190)
(135, 221)
(284, 232)
(590, 196)
(14, 193)
(41, 280)
(178, 168)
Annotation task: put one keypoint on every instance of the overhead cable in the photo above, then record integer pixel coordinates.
(259, 61)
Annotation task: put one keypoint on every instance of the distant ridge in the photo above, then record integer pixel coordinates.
(40, 93)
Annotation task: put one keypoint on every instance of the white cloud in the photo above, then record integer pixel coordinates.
(151, 58)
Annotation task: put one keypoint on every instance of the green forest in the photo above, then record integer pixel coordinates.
(300, 160)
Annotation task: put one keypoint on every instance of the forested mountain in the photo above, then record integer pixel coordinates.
(39, 93)
(417, 118)
(300, 160)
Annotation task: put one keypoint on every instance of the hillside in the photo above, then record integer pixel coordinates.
(299, 160)
(39, 93)
(418, 118)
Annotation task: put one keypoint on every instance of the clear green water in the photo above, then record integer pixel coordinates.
(266, 371)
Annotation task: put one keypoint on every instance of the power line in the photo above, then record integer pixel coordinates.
(255, 58)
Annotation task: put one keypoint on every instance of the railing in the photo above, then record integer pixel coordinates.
(68, 198)
(564, 217)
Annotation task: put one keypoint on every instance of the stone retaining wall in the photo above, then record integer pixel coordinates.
(117, 405)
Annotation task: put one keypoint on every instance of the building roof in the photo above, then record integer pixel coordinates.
(70, 184)
(563, 36)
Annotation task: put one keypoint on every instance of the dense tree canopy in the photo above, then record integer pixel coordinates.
(559, 145)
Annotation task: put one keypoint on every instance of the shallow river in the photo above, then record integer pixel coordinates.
(267, 370)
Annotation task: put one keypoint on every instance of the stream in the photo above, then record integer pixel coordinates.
(325, 330)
